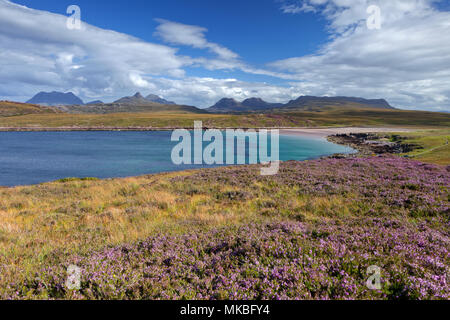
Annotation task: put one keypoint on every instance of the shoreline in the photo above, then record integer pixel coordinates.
(327, 132)
(299, 131)
(319, 133)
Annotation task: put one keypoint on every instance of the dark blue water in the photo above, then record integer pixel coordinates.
(36, 157)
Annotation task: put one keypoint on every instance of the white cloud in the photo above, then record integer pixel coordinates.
(188, 35)
(39, 52)
(407, 61)
(292, 8)
(42, 54)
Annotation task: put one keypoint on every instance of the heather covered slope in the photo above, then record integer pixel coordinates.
(309, 232)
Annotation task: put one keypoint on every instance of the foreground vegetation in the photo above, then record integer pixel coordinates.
(227, 233)
(328, 117)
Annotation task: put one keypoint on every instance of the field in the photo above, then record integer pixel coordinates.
(434, 145)
(332, 117)
(309, 232)
(11, 109)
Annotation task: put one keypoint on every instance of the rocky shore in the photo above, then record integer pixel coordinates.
(372, 144)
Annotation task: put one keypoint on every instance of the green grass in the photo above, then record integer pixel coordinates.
(434, 145)
(328, 118)
(11, 109)
(156, 120)
(373, 117)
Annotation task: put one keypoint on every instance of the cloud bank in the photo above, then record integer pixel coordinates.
(407, 61)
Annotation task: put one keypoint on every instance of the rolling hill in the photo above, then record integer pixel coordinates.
(11, 109)
(109, 108)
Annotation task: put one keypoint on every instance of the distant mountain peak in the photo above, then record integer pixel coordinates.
(253, 100)
(226, 102)
(312, 103)
(158, 99)
(138, 98)
(94, 102)
(55, 98)
(248, 105)
(257, 103)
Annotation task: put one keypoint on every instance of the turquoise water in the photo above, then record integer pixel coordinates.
(36, 157)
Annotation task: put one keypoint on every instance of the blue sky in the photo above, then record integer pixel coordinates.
(257, 29)
(197, 51)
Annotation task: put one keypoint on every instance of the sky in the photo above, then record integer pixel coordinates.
(198, 51)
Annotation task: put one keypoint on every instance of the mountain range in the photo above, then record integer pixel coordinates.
(304, 103)
(226, 105)
(312, 103)
(69, 99)
(139, 99)
(158, 99)
(69, 102)
(132, 104)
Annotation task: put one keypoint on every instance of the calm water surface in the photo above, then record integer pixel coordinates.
(36, 157)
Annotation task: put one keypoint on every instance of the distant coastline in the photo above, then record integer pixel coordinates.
(317, 131)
